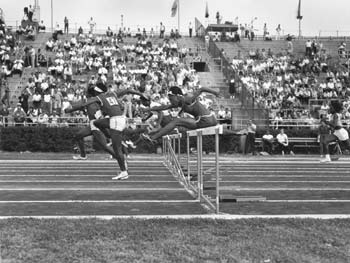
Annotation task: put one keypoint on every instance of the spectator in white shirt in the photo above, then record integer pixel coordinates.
(283, 143)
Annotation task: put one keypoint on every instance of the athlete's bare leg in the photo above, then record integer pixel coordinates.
(79, 138)
(116, 137)
(183, 122)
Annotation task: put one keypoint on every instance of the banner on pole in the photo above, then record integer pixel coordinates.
(299, 16)
(174, 8)
(206, 11)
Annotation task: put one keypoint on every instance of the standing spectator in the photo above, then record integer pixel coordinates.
(283, 143)
(19, 115)
(32, 54)
(162, 30)
(265, 31)
(92, 25)
(278, 32)
(250, 142)
(308, 48)
(218, 18)
(66, 25)
(323, 131)
(190, 29)
(4, 113)
(30, 13)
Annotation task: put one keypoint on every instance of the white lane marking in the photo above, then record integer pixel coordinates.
(82, 181)
(91, 189)
(86, 175)
(237, 181)
(308, 201)
(97, 201)
(284, 188)
(188, 217)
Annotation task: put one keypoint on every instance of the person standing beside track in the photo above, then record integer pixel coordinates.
(339, 133)
(116, 122)
(190, 104)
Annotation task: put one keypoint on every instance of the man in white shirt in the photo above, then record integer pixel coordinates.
(283, 142)
(267, 142)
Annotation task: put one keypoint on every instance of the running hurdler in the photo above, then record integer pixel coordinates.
(93, 112)
(339, 133)
(189, 104)
(116, 123)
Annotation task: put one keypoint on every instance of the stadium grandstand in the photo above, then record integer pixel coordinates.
(272, 79)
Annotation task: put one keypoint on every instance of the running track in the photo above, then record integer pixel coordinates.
(292, 186)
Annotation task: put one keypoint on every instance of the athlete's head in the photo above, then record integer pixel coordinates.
(175, 95)
(145, 101)
(93, 91)
(336, 106)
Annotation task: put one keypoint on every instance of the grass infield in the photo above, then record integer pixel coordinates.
(167, 240)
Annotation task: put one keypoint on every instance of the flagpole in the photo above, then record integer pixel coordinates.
(178, 16)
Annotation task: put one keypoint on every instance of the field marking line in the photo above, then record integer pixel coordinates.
(97, 201)
(83, 181)
(85, 175)
(280, 181)
(308, 201)
(187, 217)
(284, 189)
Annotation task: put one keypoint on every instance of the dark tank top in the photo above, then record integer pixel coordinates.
(110, 105)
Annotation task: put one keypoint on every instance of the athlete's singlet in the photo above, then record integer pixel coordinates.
(110, 104)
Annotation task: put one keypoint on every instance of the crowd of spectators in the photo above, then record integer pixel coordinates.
(64, 70)
(292, 87)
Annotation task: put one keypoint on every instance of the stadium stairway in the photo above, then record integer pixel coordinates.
(16, 83)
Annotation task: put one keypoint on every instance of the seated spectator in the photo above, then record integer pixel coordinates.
(58, 29)
(41, 26)
(109, 32)
(267, 142)
(283, 143)
(80, 31)
(19, 115)
(17, 67)
(42, 61)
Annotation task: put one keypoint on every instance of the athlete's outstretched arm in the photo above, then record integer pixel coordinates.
(162, 107)
(129, 91)
(209, 90)
(81, 105)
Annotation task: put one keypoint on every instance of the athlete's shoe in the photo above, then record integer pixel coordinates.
(124, 144)
(147, 138)
(122, 176)
(327, 159)
(130, 144)
(78, 157)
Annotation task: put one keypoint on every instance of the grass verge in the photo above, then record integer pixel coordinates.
(163, 240)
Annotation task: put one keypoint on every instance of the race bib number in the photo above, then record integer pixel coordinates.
(112, 101)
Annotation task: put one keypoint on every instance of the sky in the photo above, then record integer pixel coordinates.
(318, 15)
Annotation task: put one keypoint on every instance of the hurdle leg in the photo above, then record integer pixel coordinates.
(217, 169)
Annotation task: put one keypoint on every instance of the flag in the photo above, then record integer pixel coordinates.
(174, 8)
(206, 11)
(299, 16)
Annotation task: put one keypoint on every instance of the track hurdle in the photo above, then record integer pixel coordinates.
(172, 160)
